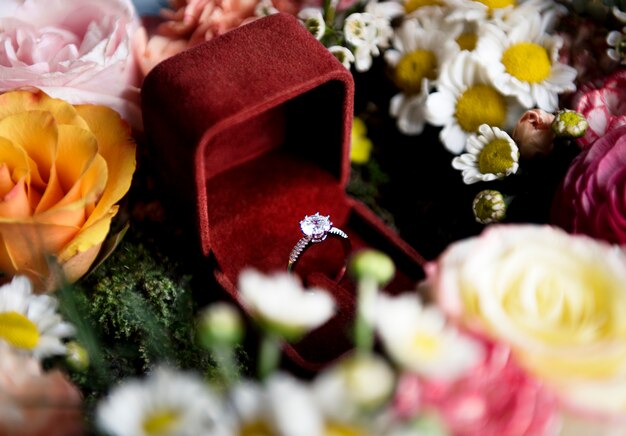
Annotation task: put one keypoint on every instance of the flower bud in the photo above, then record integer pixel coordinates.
(533, 134)
(374, 264)
(489, 206)
(220, 324)
(569, 124)
(77, 357)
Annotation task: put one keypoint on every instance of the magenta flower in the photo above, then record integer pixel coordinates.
(495, 398)
(603, 107)
(592, 197)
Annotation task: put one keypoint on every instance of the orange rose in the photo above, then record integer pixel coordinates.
(62, 169)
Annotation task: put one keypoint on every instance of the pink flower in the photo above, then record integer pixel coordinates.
(495, 398)
(533, 133)
(76, 51)
(592, 197)
(191, 22)
(33, 402)
(604, 107)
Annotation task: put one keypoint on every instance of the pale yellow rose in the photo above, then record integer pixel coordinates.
(63, 168)
(559, 301)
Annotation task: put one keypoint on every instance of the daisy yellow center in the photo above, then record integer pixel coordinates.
(527, 61)
(256, 428)
(415, 66)
(337, 429)
(480, 104)
(497, 4)
(467, 41)
(495, 157)
(161, 422)
(18, 330)
(413, 5)
(427, 345)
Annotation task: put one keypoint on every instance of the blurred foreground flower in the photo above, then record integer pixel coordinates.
(167, 402)
(495, 398)
(34, 402)
(558, 300)
(79, 52)
(29, 323)
(63, 169)
(282, 306)
(592, 197)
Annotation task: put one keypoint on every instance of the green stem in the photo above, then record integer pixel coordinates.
(367, 289)
(226, 364)
(269, 355)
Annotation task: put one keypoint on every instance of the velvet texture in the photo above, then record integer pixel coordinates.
(253, 129)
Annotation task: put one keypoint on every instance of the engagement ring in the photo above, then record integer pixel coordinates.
(315, 229)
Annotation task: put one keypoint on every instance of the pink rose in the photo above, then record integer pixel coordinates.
(604, 107)
(76, 51)
(191, 22)
(34, 402)
(495, 398)
(533, 133)
(592, 197)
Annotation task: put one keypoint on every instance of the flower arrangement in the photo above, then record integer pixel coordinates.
(490, 135)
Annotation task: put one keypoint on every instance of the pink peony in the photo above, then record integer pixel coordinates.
(191, 22)
(33, 402)
(533, 133)
(592, 197)
(604, 107)
(495, 398)
(76, 51)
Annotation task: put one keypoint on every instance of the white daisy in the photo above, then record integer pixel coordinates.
(416, 58)
(500, 11)
(281, 304)
(491, 155)
(418, 339)
(465, 99)
(411, 7)
(524, 63)
(282, 406)
(167, 402)
(30, 322)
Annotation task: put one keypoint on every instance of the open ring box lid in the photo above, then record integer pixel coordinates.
(253, 130)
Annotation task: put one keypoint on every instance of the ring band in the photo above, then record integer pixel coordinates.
(316, 228)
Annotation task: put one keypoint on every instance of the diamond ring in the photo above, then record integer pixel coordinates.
(316, 228)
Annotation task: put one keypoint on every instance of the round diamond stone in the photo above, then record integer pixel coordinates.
(316, 225)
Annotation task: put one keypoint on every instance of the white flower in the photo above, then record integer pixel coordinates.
(524, 63)
(465, 99)
(342, 54)
(314, 21)
(167, 402)
(504, 13)
(356, 385)
(414, 7)
(367, 31)
(29, 322)
(416, 58)
(283, 406)
(558, 300)
(281, 303)
(418, 339)
(616, 40)
(265, 8)
(491, 155)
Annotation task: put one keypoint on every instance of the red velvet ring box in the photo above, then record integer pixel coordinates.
(252, 129)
